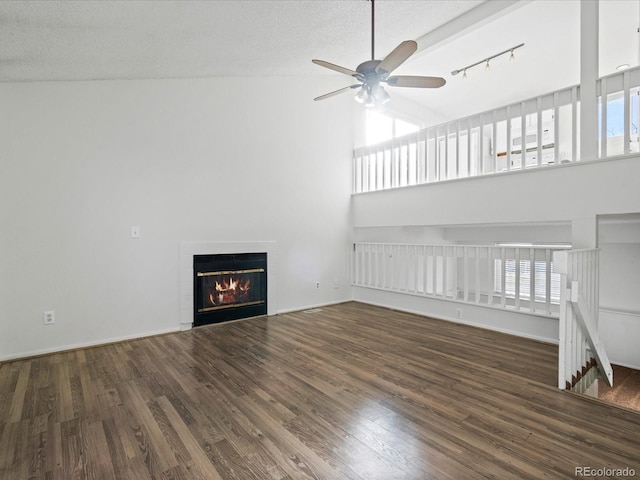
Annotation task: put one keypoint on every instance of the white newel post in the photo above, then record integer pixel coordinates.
(560, 262)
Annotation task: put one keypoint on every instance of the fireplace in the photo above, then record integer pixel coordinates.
(229, 287)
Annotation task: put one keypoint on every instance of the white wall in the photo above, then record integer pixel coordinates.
(619, 318)
(540, 233)
(553, 194)
(537, 327)
(411, 235)
(230, 159)
(540, 206)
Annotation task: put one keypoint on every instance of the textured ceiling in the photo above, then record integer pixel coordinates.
(77, 40)
(88, 40)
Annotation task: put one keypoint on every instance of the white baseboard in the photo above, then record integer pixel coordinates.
(464, 322)
(522, 324)
(77, 346)
(97, 343)
(308, 307)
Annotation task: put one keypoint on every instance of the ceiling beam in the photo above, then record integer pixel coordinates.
(471, 20)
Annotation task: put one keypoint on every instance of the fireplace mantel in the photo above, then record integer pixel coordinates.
(189, 249)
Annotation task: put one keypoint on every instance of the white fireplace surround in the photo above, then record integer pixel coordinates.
(189, 249)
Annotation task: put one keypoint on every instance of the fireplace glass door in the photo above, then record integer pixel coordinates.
(229, 286)
(230, 289)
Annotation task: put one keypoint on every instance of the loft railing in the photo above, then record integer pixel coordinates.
(535, 133)
(517, 278)
(580, 347)
(545, 281)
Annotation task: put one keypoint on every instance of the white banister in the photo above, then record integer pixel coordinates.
(547, 282)
(539, 132)
(503, 276)
(580, 346)
(490, 272)
(556, 127)
(583, 314)
(449, 150)
(627, 113)
(574, 124)
(603, 119)
(458, 273)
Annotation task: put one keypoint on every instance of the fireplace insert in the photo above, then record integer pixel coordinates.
(229, 287)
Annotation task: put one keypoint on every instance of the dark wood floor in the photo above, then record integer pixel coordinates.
(350, 392)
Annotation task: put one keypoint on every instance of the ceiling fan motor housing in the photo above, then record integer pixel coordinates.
(368, 70)
(373, 72)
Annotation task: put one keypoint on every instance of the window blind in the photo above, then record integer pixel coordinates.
(540, 276)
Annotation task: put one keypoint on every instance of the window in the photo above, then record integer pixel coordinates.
(540, 287)
(616, 120)
(381, 127)
(615, 114)
(539, 274)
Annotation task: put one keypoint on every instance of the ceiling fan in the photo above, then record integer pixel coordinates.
(372, 73)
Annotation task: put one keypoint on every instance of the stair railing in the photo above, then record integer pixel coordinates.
(580, 346)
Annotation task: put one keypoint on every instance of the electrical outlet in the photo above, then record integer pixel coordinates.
(317, 285)
(458, 313)
(49, 317)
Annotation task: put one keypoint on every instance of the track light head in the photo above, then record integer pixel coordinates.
(487, 60)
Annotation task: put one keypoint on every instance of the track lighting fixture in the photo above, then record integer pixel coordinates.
(486, 61)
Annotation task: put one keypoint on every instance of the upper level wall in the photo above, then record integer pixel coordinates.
(551, 194)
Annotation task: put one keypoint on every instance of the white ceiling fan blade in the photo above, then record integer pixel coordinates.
(415, 81)
(336, 68)
(337, 92)
(397, 57)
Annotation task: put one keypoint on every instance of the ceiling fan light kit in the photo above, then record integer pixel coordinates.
(372, 73)
(372, 96)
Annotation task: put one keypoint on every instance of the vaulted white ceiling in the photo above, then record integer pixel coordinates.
(72, 40)
(87, 40)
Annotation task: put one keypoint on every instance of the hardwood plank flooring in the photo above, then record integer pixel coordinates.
(351, 392)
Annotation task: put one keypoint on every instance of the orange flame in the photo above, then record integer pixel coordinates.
(229, 290)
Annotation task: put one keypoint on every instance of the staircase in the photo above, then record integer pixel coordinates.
(581, 353)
